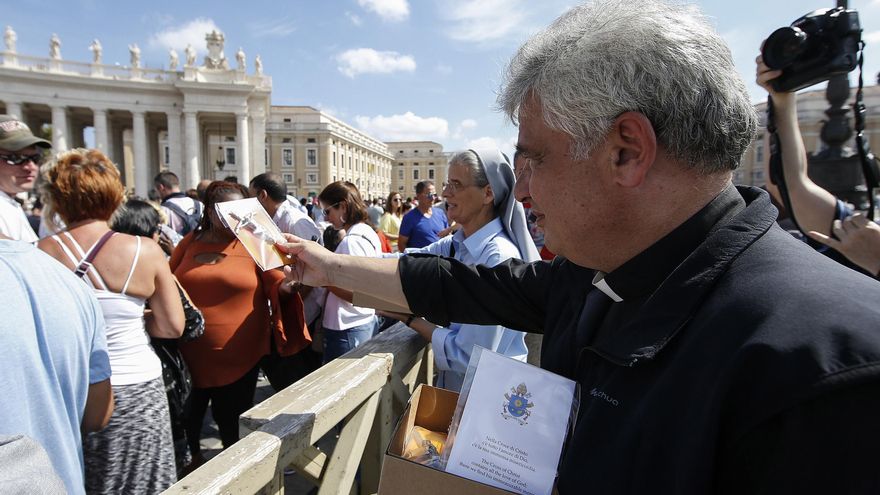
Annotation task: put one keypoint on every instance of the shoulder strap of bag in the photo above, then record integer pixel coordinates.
(86, 263)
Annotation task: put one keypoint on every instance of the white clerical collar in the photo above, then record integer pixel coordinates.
(600, 283)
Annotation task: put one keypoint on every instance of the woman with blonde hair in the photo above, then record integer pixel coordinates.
(135, 452)
(390, 221)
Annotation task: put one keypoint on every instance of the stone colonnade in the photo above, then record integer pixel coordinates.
(186, 154)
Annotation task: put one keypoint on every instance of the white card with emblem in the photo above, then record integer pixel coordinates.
(513, 423)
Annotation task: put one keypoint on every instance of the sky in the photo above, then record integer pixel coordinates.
(400, 70)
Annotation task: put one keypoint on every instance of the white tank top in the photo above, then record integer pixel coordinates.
(132, 359)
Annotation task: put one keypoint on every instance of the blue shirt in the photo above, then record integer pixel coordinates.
(453, 346)
(52, 347)
(421, 231)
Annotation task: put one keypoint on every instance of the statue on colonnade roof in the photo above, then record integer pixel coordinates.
(215, 58)
(10, 38)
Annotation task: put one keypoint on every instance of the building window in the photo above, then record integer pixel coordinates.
(287, 178)
(430, 174)
(415, 174)
(286, 120)
(230, 156)
(312, 158)
(334, 158)
(311, 140)
(400, 174)
(287, 157)
(399, 164)
(349, 162)
(286, 140)
(229, 139)
(759, 152)
(401, 152)
(167, 156)
(312, 178)
(757, 176)
(266, 156)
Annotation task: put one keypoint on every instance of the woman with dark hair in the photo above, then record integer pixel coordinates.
(347, 326)
(235, 296)
(390, 221)
(135, 452)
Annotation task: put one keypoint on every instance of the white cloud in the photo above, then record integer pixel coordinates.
(357, 21)
(482, 142)
(193, 32)
(872, 37)
(481, 21)
(388, 10)
(468, 124)
(274, 28)
(463, 126)
(406, 127)
(505, 145)
(366, 60)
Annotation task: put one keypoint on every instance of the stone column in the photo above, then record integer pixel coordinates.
(102, 141)
(141, 167)
(60, 132)
(14, 108)
(258, 163)
(244, 149)
(192, 148)
(174, 140)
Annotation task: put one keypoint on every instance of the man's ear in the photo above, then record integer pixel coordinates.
(634, 148)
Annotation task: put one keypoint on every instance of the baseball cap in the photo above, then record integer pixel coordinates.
(16, 135)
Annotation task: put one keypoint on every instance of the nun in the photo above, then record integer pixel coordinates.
(479, 197)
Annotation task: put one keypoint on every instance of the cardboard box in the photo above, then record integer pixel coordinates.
(430, 408)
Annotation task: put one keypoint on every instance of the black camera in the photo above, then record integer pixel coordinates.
(815, 48)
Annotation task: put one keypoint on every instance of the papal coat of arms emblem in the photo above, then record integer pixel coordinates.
(517, 405)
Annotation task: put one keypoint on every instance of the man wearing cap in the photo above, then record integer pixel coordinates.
(20, 156)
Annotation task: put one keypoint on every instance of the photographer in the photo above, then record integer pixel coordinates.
(819, 214)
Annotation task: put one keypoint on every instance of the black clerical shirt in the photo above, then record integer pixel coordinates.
(738, 361)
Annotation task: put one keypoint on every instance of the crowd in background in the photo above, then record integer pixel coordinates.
(182, 317)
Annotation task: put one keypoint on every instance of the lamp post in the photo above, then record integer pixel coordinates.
(221, 161)
(837, 168)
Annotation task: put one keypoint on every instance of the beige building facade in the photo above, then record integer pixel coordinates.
(311, 149)
(415, 161)
(811, 115)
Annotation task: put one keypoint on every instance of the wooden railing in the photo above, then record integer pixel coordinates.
(364, 390)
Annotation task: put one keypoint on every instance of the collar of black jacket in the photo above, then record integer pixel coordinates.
(679, 271)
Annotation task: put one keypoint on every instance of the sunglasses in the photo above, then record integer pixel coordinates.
(18, 159)
(327, 210)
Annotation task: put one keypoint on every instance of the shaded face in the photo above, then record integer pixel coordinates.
(426, 197)
(396, 202)
(570, 198)
(464, 199)
(19, 178)
(335, 214)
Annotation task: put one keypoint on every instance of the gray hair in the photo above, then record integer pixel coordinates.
(665, 61)
(469, 159)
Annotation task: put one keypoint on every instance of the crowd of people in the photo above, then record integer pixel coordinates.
(716, 353)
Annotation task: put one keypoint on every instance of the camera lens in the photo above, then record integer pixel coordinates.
(783, 47)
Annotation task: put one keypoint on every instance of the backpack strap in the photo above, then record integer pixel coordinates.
(177, 211)
(86, 263)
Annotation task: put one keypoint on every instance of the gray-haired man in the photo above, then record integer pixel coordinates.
(715, 353)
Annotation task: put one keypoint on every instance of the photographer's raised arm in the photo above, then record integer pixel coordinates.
(317, 267)
(813, 207)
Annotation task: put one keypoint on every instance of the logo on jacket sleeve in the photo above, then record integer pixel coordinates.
(517, 405)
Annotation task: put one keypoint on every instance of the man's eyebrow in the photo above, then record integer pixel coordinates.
(525, 152)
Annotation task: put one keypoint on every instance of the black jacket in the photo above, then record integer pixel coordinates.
(754, 367)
